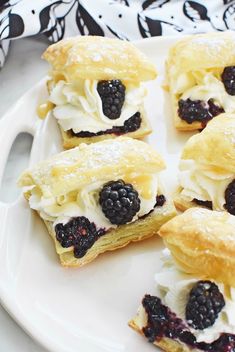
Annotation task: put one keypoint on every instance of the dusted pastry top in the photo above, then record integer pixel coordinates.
(70, 184)
(86, 164)
(203, 51)
(214, 146)
(203, 243)
(94, 57)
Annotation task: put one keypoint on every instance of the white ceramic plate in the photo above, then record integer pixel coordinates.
(84, 309)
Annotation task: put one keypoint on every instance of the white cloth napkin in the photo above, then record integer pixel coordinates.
(124, 19)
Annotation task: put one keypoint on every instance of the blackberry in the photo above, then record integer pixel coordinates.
(198, 110)
(133, 123)
(119, 202)
(205, 203)
(80, 233)
(160, 200)
(204, 304)
(228, 79)
(112, 94)
(230, 198)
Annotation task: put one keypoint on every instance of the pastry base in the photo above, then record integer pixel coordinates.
(73, 141)
(116, 238)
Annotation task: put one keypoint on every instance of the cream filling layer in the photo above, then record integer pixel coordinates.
(173, 287)
(201, 183)
(79, 106)
(209, 88)
(86, 203)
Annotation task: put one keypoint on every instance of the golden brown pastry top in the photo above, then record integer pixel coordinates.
(102, 161)
(99, 58)
(203, 51)
(202, 242)
(215, 145)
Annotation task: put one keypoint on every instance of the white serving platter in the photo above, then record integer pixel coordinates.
(86, 309)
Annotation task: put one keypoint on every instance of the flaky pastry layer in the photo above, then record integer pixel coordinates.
(106, 160)
(99, 58)
(117, 238)
(202, 52)
(202, 242)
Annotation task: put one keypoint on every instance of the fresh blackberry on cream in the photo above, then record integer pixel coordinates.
(112, 94)
(204, 304)
(228, 78)
(119, 201)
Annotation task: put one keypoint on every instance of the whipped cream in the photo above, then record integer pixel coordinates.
(173, 287)
(201, 183)
(209, 87)
(85, 202)
(79, 106)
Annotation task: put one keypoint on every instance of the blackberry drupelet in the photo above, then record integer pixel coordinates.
(112, 94)
(198, 110)
(205, 203)
(119, 201)
(228, 79)
(80, 233)
(230, 198)
(204, 304)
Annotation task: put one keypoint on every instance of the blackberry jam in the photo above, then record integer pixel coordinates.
(130, 125)
(162, 322)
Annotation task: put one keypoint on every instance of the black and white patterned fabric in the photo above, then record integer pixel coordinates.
(124, 19)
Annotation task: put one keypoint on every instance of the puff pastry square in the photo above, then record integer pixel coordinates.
(207, 167)
(72, 190)
(197, 275)
(200, 73)
(95, 89)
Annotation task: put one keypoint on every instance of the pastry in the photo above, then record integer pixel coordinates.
(98, 197)
(201, 78)
(207, 167)
(95, 89)
(194, 303)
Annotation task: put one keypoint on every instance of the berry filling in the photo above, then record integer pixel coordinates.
(162, 322)
(112, 94)
(204, 304)
(198, 110)
(80, 233)
(228, 79)
(205, 203)
(130, 125)
(230, 198)
(119, 201)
